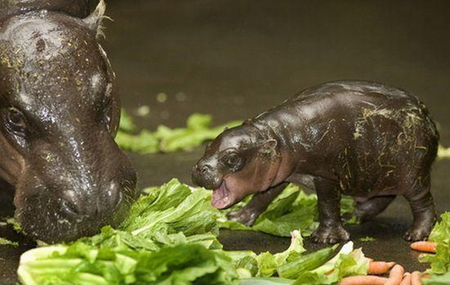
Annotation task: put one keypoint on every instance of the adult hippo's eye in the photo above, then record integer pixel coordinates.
(15, 120)
(233, 161)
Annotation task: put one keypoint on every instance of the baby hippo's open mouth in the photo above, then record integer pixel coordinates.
(222, 197)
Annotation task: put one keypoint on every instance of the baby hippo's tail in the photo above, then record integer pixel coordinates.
(433, 137)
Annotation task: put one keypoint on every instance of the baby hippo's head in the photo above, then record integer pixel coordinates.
(239, 162)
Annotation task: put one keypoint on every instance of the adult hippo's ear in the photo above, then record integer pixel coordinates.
(94, 20)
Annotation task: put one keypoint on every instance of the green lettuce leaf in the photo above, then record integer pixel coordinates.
(437, 279)
(347, 262)
(198, 130)
(439, 262)
(443, 152)
(170, 237)
(293, 209)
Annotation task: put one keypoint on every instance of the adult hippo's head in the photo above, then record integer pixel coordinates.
(59, 113)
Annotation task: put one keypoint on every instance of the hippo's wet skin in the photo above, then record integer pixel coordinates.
(59, 113)
(363, 139)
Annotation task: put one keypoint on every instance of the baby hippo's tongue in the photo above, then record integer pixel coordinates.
(221, 197)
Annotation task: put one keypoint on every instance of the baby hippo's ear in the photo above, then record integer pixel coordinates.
(94, 20)
(269, 146)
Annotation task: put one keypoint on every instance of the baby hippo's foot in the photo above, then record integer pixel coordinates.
(246, 216)
(421, 228)
(330, 235)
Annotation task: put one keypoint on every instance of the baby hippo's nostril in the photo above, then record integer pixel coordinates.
(205, 169)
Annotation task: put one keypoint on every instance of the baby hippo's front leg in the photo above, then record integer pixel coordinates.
(330, 229)
(248, 214)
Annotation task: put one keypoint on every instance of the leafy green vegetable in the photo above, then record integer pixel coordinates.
(167, 239)
(4, 241)
(440, 262)
(173, 208)
(347, 262)
(164, 139)
(126, 122)
(305, 263)
(443, 152)
(265, 281)
(437, 279)
(170, 237)
(291, 210)
(366, 239)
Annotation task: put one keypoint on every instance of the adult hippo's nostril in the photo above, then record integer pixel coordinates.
(70, 208)
(112, 200)
(104, 204)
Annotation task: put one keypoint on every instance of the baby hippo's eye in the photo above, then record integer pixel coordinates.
(233, 161)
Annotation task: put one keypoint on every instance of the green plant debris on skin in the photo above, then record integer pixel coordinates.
(4, 241)
(198, 130)
(170, 237)
(367, 239)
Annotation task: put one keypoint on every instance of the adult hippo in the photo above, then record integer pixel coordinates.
(362, 139)
(59, 113)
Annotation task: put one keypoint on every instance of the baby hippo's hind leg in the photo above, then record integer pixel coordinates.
(423, 209)
(248, 214)
(369, 209)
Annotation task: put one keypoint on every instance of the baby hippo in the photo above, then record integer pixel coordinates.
(363, 139)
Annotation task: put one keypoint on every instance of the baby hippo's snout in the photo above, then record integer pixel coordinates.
(204, 174)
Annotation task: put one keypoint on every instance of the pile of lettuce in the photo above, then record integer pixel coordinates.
(292, 209)
(198, 130)
(440, 262)
(170, 237)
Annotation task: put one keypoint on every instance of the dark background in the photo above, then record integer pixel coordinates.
(235, 59)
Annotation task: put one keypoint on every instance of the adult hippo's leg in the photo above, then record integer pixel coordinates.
(248, 214)
(369, 209)
(330, 229)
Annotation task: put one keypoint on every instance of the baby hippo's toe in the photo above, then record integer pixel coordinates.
(244, 216)
(330, 235)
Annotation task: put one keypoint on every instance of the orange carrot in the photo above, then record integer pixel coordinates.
(391, 264)
(426, 246)
(378, 267)
(396, 275)
(406, 279)
(415, 278)
(363, 280)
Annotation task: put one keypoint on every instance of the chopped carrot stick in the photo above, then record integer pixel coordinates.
(406, 279)
(391, 264)
(425, 246)
(363, 280)
(415, 278)
(396, 275)
(378, 267)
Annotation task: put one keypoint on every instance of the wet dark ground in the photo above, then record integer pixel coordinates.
(234, 59)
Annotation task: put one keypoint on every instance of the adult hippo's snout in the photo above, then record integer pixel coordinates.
(59, 113)
(70, 190)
